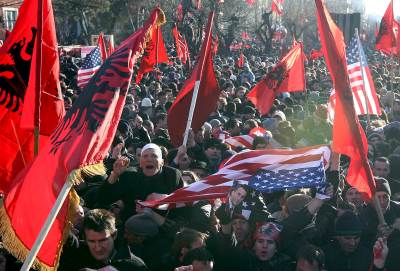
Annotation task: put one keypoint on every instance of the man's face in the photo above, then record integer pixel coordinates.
(237, 196)
(202, 265)
(100, 244)
(240, 93)
(249, 116)
(264, 247)
(348, 244)
(138, 122)
(199, 136)
(304, 265)
(150, 162)
(213, 153)
(374, 140)
(241, 229)
(384, 200)
(162, 123)
(353, 196)
(381, 169)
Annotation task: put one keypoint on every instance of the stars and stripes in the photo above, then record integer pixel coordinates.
(182, 49)
(355, 70)
(242, 141)
(242, 167)
(246, 141)
(270, 181)
(91, 64)
(359, 87)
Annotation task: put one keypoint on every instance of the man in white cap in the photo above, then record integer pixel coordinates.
(152, 180)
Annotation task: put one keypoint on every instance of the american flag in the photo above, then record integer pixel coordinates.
(270, 181)
(247, 164)
(242, 141)
(355, 70)
(91, 64)
(181, 46)
(246, 141)
(277, 6)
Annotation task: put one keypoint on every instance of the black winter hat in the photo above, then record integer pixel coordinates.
(348, 224)
(382, 185)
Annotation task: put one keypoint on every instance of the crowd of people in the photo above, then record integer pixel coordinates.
(284, 231)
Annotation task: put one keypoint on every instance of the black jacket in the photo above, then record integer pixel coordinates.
(134, 185)
(76, 255)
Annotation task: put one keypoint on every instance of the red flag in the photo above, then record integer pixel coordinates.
(77, 146)
(250, 2)
(245, 36)
(154, 54)
(314, 54)
(182, 49)
(110, 48)
(198, 4)
(240, 62)
(102, 46)
(18, 92)
(388, 38)
(348, 136)
(287, 75)
(277, 7)
(7, 34)
(207, 96)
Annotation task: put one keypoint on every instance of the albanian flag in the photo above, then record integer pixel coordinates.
(287, 75)
(388, 38)
(202, 74)
(348, 136)
(20, 99)
(77, 146)
(155, 53)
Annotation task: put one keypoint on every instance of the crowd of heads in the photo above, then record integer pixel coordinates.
(287, 230)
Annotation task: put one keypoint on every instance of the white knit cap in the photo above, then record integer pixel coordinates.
(153, 146)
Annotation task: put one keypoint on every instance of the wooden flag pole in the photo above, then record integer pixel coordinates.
(48, 223)
(370, 176)
(196, 89)
(363, 79)
(38, 87)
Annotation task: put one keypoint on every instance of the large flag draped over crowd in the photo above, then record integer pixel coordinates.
(245, 167)
(77, 146)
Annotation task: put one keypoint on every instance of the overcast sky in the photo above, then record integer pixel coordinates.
(378, 7)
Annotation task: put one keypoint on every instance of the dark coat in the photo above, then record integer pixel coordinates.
(337, 260)
(279, 262)
(76, 255)
(134, 185)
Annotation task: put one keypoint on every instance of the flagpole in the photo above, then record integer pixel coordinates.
(376, 201)
(363, 79)
(157, 42)
(196, 89)
(36, 119)
(48, 223)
